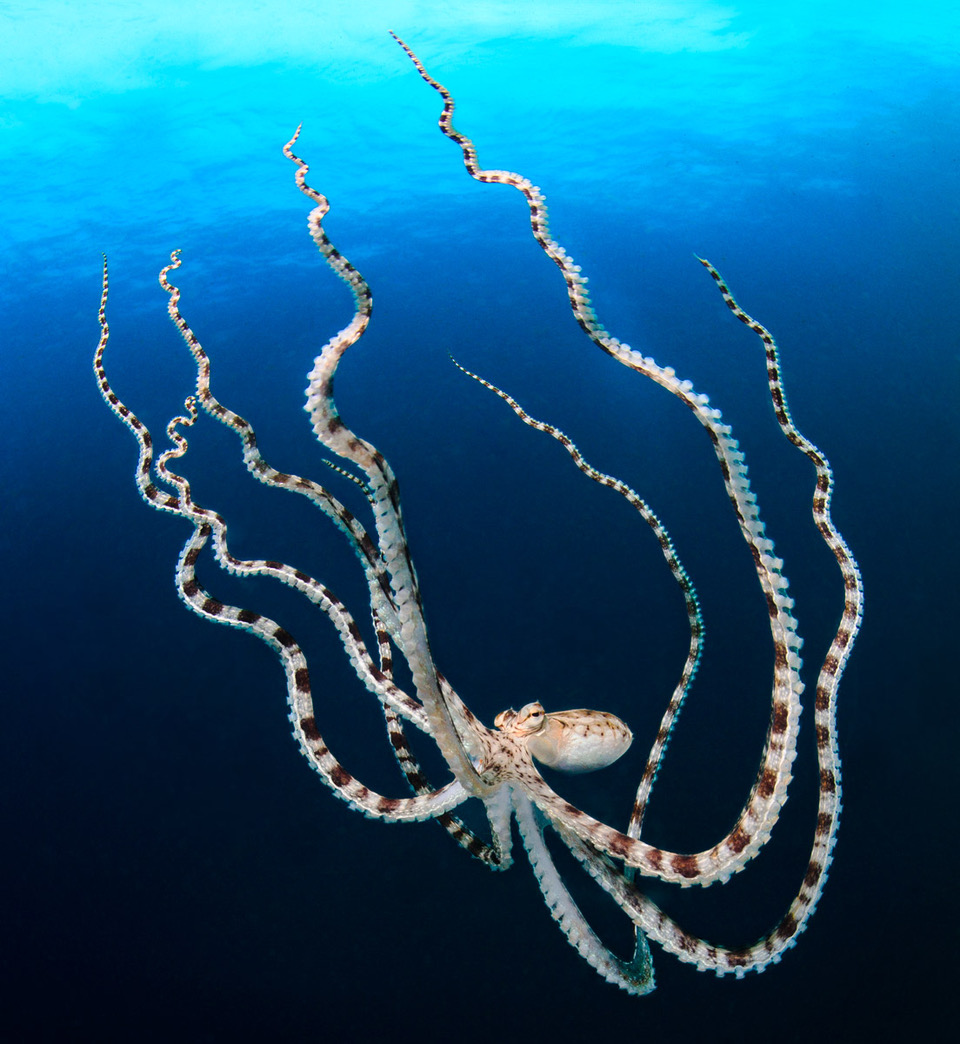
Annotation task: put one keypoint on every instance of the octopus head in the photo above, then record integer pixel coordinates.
(571, 741)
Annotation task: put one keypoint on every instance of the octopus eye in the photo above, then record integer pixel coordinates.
(503, 717)
(530, 717)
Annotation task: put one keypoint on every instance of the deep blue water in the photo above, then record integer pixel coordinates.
(173, 869)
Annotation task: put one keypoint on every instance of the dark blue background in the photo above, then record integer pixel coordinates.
(172, 868)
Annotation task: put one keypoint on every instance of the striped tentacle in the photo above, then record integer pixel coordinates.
(701, 868)
(664, 930)
(762, 808)
(694, 617)
(428, 804)
(316, 592)
(379, 682)
(636, 975)
(410, 766)
(155, 497)
(330, 770)
(336, 436)
(344, 519)
(355, 479)
(497, 805)
(495, 856)
(208, 523)
(835, 662)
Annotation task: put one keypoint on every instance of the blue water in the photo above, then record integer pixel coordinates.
(172, 868)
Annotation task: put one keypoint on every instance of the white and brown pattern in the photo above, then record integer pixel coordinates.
(694, 617)
(498, 765)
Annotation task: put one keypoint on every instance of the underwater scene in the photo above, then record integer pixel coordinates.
(174, 869)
